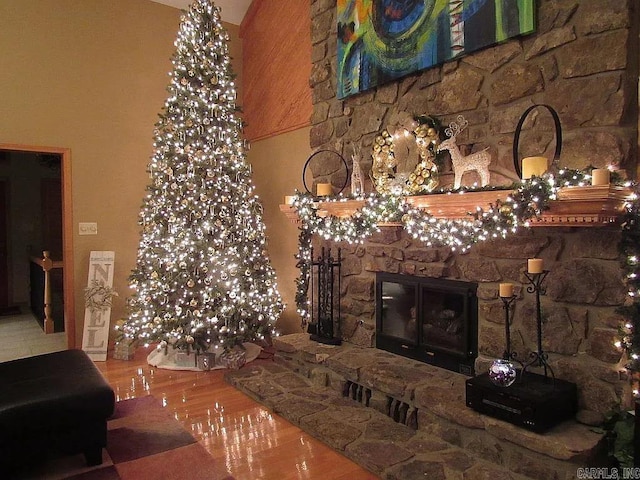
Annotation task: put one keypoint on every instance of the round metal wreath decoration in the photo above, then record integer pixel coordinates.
(404, 159)
(306, 165)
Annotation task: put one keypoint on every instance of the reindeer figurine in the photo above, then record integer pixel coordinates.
(478, 161)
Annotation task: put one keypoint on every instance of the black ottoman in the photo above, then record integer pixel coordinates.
(56, 402)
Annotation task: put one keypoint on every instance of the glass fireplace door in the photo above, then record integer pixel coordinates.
(399, 311)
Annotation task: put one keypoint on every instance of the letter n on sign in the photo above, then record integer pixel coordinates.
(97, 313)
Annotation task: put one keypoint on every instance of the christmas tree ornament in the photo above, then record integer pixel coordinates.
(506, 209)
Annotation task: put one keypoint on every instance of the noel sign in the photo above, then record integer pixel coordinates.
(98, 296)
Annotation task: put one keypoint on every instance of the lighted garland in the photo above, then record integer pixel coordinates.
(529, 199)
(353, 229)
(630, 249)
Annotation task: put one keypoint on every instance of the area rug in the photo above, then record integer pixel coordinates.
(144, 441)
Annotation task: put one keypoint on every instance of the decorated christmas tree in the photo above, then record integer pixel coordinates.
(202, 277)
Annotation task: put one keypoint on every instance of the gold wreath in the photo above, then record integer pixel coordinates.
(424, 177)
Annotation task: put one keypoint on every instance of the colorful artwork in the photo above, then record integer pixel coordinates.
(382, 40)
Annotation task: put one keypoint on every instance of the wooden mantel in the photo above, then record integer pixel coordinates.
(588, 206)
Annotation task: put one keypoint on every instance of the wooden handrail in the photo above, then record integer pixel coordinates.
(41, 261)
(47, 265)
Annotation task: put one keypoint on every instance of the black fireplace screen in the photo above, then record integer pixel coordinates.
(429, 319)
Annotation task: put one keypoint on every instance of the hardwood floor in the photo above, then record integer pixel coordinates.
(245, 437)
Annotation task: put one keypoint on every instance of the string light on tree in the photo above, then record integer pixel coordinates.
(202, 277)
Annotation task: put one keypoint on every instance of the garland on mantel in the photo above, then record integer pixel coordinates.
(502, 218)
(630, 249)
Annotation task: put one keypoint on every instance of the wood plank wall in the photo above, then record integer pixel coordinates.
(276, 65)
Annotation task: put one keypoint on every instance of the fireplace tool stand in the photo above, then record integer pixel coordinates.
(538, 358)
(325, 310)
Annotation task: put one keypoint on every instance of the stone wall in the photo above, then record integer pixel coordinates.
(583, 290)
(582, 61)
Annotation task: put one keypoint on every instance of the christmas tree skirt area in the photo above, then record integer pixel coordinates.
(143, 441)
(175, 359)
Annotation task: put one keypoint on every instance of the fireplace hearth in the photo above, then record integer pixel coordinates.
(432, 320)
(583, 291)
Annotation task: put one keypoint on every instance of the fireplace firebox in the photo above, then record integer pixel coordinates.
(432, 320)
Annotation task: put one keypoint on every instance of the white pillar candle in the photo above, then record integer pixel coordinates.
(600, 176)
(535, 265)
(533, 166)
(506, 290)
(324, 189)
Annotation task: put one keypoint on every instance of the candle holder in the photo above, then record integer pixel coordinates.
(507, 302)
(538, 358)
(323, 152)
(502, 371)
(516, 138)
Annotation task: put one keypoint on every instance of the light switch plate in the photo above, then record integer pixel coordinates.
(87, 228)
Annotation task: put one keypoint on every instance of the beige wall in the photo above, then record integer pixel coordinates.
(277, 171)
(91, 76)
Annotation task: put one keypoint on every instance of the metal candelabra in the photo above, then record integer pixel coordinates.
(538, 358)
(508, 354)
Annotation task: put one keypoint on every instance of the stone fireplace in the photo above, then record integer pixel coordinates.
(582, 61)
(583, 290)
(428, 319)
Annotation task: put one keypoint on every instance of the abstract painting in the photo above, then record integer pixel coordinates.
(382, 40)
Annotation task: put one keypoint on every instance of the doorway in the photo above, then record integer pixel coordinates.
(5, 307)
(61, 240)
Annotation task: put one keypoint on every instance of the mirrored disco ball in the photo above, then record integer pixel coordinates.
(502, 373)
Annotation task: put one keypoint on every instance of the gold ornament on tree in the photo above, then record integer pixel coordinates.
(404, 156)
